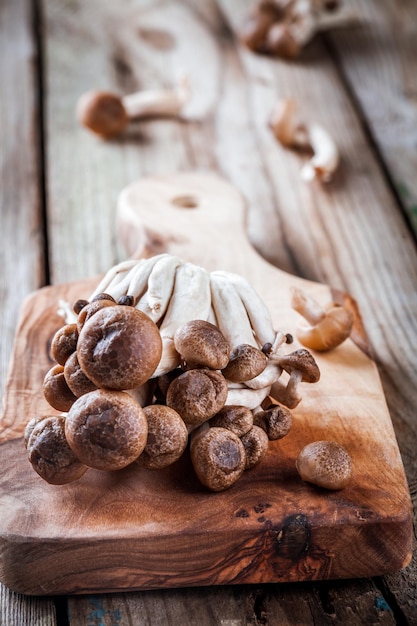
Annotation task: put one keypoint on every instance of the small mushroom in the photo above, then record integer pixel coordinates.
(119, 347)
(75, 378)
(49, 453)
(293, 133)
(326, 464)
(255, 442)
(301, 367)
(197, 395)
(167, 437)
(90, 309)
(56, 390)
(218, 457)
(64, 343)
(254, 30)
(275, 420)
(245, 363)
(280, 41)
(106, 430)
(201, 344)
(238, 419)
(107, 114)
(327, 327)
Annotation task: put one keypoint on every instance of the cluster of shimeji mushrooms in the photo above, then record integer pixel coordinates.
(163, 352)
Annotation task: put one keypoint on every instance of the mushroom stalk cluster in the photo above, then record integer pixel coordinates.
(160, 350)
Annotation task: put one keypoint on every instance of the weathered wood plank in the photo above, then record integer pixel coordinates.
(378, 59)
(353, 225)
(21, 252)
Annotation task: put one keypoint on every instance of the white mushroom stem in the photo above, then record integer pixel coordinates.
(257, 311)
(326, 155)
(158, 102)
(307, 306)
(243, 396)
(288, 394)
(114, 272)
(155, 300)
(190, 300)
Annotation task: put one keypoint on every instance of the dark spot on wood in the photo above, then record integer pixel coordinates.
(261, 507)
(242, 513)
(294, 537)
(262, 519)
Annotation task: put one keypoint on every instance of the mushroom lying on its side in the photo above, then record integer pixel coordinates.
(326, 464)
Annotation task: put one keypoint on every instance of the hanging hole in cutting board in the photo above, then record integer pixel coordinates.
(185, 202)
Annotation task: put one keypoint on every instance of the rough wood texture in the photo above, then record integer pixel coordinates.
(272, 527)
(353, 240)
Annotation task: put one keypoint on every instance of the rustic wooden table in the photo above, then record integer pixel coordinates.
(58, 192)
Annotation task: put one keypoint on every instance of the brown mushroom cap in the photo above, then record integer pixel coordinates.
(245, 363)
(90, 309)
(167, 437)
(276, 421)
(218, 457)
(201, 344)
(49, 453)
(64, 343)
(76, 380)
(280, 42)
(255, 442)
(102, 112)
(197, 395)
(325, 463)
(56, 390)
(253, 31)
(238, 419)
(119, 347)
(31, 425)
(106, 430)
(331, 331)
(301, 361)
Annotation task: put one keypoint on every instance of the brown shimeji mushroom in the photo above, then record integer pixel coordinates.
(119, 347)
(245, 363)
(218, 457)
(106, 430)
(254, 30)
(56, 390)
(167, 437)
(107, 114)
(238, 419)
(326, 328)
(75, 378)
(64, 343)
(201, 344)
(49, 453)
(275, 420)
(197, 395)
(255, 442)
(326, 464)
(301, 367)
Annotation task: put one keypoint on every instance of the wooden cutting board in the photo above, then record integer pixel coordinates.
(138, 529)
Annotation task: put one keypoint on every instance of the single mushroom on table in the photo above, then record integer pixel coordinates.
(323, 328)
(107, 114)
(326, 464)
(293, 133)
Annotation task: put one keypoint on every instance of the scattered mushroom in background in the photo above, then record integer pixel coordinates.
(326, 464)
(107, 114)
(323, 328)
(162, 351)
(293, 133)
(282, 28)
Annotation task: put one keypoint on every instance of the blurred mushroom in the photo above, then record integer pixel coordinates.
(326, 464)
(301, 367)
(218, 457)
(107, 114)
(327, 327)
(201, 344)
(167, 437)
(49, 453)
(254, 30)
(106, 430)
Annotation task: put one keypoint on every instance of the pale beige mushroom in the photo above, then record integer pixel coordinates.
(323, 328)
(326, 464)
(107, 114)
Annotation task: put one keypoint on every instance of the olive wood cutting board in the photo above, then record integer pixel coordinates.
(142, 529)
